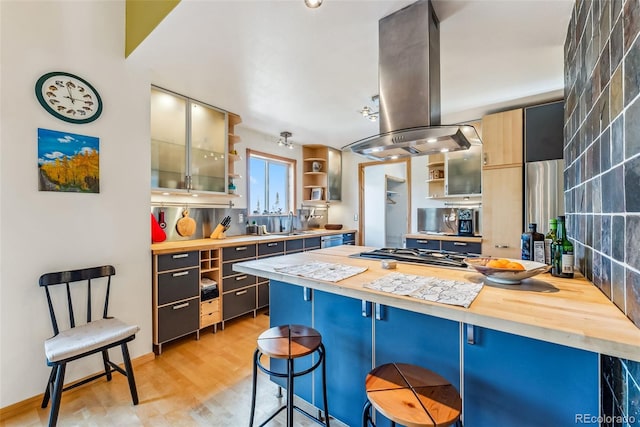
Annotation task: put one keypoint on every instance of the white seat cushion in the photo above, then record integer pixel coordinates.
(85, 338)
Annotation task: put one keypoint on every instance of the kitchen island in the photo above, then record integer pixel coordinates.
(525, 355)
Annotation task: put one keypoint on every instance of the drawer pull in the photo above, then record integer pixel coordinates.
(272, 244)
(422, 241)
(241, 248)
(180, 273)
(179, 306)
(459, 244)
(241, 293)
(241, 278)
(502, 246)
(471, 336)
(178, 256)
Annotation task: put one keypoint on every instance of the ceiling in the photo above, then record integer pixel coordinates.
(282, 66)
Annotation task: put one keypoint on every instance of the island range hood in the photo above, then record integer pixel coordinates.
(409, 85)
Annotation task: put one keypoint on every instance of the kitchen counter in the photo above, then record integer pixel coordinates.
(569, 312)
(197, 244)
(444, 237)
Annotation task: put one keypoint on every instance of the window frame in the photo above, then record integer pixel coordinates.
(293, 178)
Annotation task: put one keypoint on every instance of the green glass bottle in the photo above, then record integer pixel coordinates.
(548, 240)
(562, 250)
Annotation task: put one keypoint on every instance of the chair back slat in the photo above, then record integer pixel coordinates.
(72, 319)
(68, 278)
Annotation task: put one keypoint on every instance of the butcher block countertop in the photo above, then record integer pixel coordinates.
(445, 237)
(570, 312)
(197, 244)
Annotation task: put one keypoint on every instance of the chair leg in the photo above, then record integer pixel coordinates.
(129, 369)
(366, 414)
(105, 361)
(290, 404)
(324, 384)
(255, 383)
(47, 392)
(57, 395)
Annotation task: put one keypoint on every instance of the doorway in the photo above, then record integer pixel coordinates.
(385, 202)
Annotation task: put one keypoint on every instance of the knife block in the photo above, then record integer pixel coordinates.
(218, 233)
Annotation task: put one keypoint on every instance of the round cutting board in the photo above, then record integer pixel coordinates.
(186, 226)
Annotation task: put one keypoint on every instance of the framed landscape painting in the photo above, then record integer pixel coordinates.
(68, 162)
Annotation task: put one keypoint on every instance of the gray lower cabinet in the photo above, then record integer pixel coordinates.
(238, 302)
(239, 290)
(176, 296)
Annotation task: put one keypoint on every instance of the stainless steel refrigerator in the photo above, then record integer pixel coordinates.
(544, 192)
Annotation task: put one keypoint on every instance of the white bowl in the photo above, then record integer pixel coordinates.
(506, 276)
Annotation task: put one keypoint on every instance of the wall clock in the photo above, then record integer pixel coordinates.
(68, 97)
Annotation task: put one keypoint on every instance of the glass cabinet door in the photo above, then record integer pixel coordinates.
(463, 172)
(207, 156)
(168, 140)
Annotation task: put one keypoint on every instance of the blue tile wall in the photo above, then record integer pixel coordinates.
(602, 175)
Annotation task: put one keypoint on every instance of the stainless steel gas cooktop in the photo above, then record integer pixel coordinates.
(418, 256)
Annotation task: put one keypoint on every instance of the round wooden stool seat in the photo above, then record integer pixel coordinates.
(289, 341)
(413, 396)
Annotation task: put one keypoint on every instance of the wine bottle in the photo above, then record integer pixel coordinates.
(548, 240)
(562, 250)
(532, 245)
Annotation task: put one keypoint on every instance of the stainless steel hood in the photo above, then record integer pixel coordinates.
(409, 84)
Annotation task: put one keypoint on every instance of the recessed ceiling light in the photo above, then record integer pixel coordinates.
(432, 140)
(165, 193)
(313, 3)
(444, 150)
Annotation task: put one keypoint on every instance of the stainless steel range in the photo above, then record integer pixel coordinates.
(418, 256)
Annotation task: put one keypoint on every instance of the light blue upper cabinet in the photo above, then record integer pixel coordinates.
(188, 144)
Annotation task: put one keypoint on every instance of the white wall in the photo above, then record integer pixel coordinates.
(47, 231)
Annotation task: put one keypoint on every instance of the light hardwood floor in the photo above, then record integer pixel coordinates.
(192, 383)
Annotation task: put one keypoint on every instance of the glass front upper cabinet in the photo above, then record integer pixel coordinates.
(188, 144)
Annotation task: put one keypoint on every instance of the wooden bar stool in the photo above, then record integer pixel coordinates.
(290, 342)
(411, 396)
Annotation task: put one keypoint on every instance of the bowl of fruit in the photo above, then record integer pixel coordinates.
(505, 270)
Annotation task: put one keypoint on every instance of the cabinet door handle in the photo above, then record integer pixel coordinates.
(241, 293)
(270, 245)
(366, 308)
(485, 160)
(241, 248)
(422, 241)
(379, 311)
(306, 294)
(177, 256)
(471, 334)
(179, 306)
(459, 244)
(181, 273)
(241, 278)
(502, 246)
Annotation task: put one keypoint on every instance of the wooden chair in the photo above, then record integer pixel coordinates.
(411, 396)
(82, 339)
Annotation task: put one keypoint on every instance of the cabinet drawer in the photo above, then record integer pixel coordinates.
(238, 302)
(423, 243)
(178, 319)
(238, 252)
(210, 306)
(178, 285)
(178, 260)
(270, 248)
(227, 269)
(292, 246)
(312, 243)
(210, 319)
(235, 282)
(263, 294)
(462, 247)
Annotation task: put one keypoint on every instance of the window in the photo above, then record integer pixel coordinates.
(271, 184)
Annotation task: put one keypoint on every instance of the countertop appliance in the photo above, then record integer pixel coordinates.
(449, 221)
(418, 256)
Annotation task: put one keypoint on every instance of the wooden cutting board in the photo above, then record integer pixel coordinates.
(186, 226)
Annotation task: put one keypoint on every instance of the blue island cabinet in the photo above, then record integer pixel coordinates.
(510, 380)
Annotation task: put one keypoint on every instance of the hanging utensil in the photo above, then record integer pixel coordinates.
(161, 221)
(186, 226)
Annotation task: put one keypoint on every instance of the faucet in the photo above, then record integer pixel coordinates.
(290, 225)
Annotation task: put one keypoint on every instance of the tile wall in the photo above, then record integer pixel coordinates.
(602, 176)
